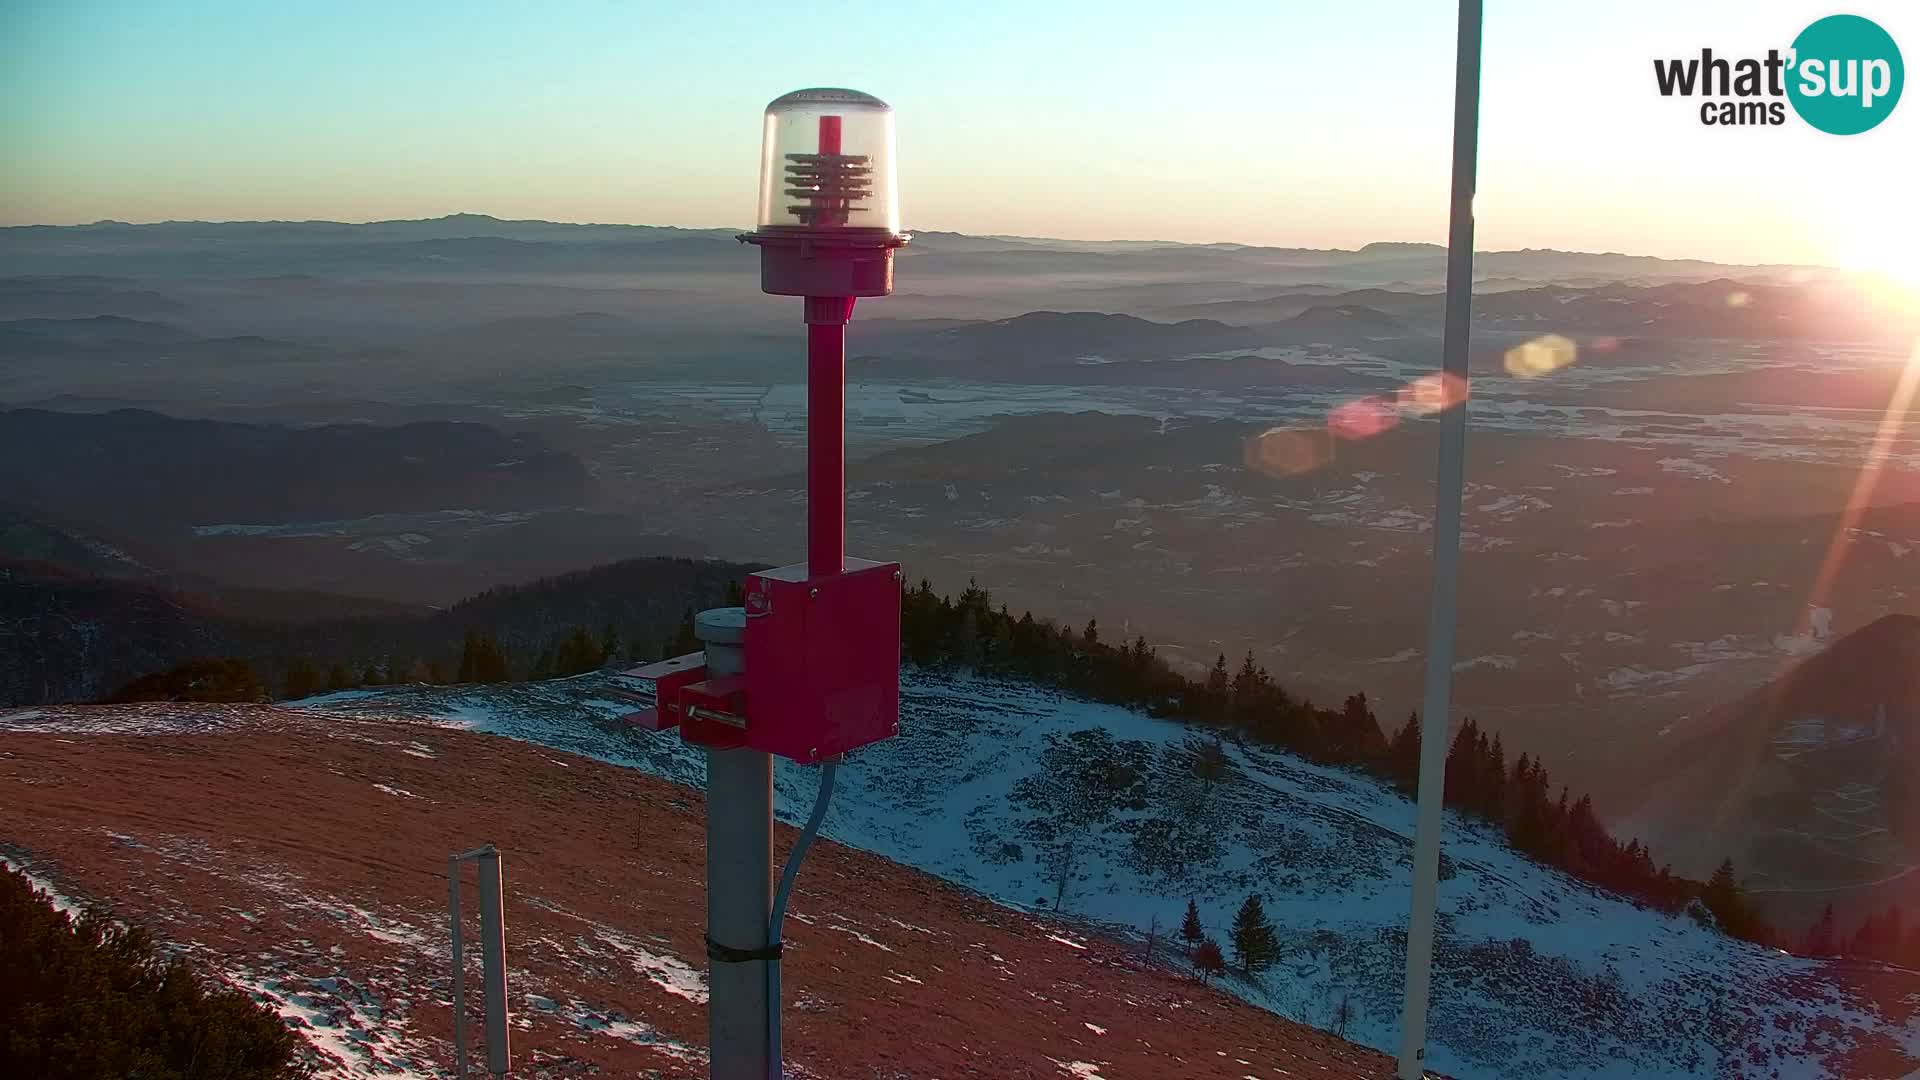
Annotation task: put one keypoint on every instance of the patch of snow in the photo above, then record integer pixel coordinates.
(860, 937)
(1819, 631)
(1511, 504)
(61, 901)
(667, 972)
(1691, 468)
(391, 931)
(348, 1028)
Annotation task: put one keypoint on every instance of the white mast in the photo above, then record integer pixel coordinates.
(1446, 547)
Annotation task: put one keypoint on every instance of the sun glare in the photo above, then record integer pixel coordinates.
(1889, 248)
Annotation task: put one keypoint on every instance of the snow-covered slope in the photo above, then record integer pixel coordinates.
(1537, 975)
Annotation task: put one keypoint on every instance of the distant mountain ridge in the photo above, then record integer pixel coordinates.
(19, 240)
(1349, 318)
(133, 464)
(1811, 781)
(95, 330)
(72, 635)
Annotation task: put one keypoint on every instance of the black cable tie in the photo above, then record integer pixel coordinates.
(727, 954)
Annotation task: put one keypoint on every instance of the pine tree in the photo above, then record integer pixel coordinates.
(339, 678)
(303, 679)
(1910, 949)
(1404, 755)
(1253, 941)
(1879, 937)
(1190, 930)
(1463, 766)
(1342, 1015)
(226, 679)
(967, 648)
(684, 640)
(1207, 959)
(576, 653)
(1216, 688)
(469, 658)
(88, 996)
(371, 676)
(1722, 897)
(1493, 780)
(1355, 737)
(490, 662)
(1210, 763)
(610, 642)
(1244, 691)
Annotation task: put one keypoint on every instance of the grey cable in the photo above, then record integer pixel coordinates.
(799, 852)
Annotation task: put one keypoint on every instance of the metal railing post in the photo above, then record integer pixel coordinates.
(493, 961)
(459, 972)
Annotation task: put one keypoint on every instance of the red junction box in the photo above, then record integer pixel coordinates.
(710, 712)
(668, 677)
(823, 659)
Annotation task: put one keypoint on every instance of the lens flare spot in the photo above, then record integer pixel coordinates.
(1362, 418)
(1543, 355)
(1434, 393)
(1287, 451)
(1605, 343)
(1739, 298)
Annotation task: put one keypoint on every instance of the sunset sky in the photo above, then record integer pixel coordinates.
(1266, 122)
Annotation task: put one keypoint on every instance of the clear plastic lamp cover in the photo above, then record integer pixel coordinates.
(826, 163)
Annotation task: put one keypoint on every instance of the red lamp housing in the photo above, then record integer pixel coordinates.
(829, 206)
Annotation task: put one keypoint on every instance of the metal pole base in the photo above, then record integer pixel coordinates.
(739, 876)
(739, 894)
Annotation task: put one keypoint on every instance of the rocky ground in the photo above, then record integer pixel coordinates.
(303, 856)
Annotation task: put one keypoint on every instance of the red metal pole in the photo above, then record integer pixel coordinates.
(826, 433)
(827, 412)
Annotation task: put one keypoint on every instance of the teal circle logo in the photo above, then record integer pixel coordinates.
(1846, 76)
